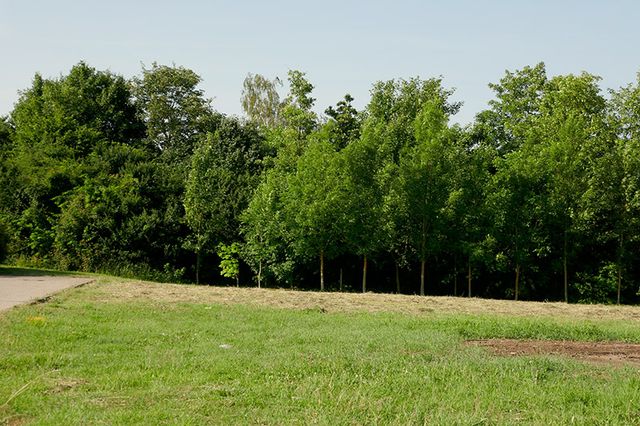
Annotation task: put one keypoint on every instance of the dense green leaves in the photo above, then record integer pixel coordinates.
(539, 198)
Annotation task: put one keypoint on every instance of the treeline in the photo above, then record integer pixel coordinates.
(538, 199)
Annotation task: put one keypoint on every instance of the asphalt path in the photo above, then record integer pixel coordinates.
(17, 290)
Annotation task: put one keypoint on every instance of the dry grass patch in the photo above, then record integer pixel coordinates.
(115, 290)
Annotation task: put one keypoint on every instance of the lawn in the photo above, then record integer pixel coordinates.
(125, 352)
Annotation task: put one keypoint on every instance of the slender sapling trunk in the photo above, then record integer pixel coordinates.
(469, 275)
(517, 280)
(364, 274)
(198, 267)
(260, 274)
(620, 248)
(455, 280)
(564, 266)
(321, 270)
(422, 265)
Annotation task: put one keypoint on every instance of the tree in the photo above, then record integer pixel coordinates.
(611, 202)
(423, 184)
(344, 127)
(260, 100)
(58, 124)
(387, 132)
(119, 217)
(264, 226)
(314, 204)
(71, 115)
(469, 219)
(518, 99)
(296, 109)
(363, 231)
(174, 109)
(229, 263)
(571, 126)
(224, 173)
(517, 206)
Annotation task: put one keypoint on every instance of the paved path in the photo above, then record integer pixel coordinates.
(15, 290)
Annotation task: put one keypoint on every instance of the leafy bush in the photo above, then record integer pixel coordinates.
(599, 287)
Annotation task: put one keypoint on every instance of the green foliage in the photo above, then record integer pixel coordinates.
(98, 172)
(229, 260)
(117, 215)
(345, 124)
(225, 171)
(599, 287)
(261, 101)
(296, 109)
(173, 108)
(70, 116)
(265, 230)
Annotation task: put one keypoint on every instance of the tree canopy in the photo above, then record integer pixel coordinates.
(538, 198)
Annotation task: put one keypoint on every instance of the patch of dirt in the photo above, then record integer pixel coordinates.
(14, 421)
(66, 384)
(165, 295)
(599, 352)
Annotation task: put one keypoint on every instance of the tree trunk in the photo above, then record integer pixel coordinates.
(422, 264)
(198, 267)
(469, 275)
(517, 279)
(321, 270)
(260, 274)
(341, 279)
(423, 251)
(620, 268)
(397, 279)
(455, 279)
(238, 279)
(364, 274)
(619, 283)
(564, 267)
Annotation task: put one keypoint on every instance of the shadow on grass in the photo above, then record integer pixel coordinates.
(15, 271)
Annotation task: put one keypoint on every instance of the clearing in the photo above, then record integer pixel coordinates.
(128, 352)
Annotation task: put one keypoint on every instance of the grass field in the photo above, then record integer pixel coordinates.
(127, 352)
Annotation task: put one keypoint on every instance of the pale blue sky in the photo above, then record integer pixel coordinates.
(344, 46)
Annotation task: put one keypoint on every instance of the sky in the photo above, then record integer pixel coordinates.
(343, 46)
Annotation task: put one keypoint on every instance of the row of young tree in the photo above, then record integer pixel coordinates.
(539, 198)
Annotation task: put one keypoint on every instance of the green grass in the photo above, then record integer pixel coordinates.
(75, 361)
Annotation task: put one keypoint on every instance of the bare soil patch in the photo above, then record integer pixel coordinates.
(600, 352)
(118, 290)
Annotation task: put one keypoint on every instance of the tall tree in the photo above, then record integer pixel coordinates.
(265, 229)
(424, 184)
(518, 97)
(58, 124)
(517, 208)
(364, 234)
(572, 128)
(314, 204)
(224, 173)
(344, 126)
(296, 109)
(174, 109)
(260, 100)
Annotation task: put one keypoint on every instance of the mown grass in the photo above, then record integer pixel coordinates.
(74, 360)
